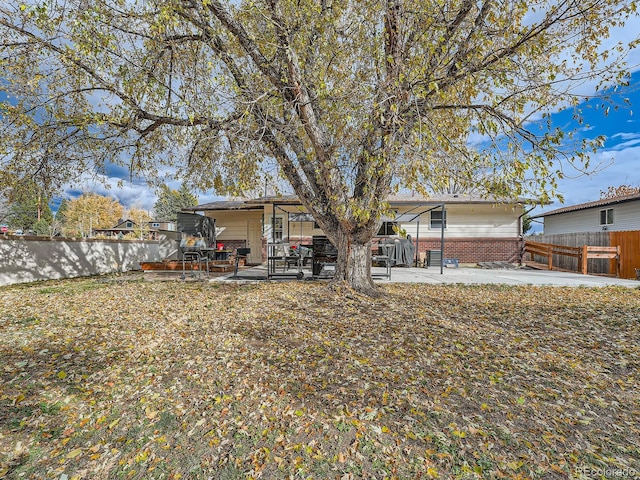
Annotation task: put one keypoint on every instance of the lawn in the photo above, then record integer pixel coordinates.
(111, 378)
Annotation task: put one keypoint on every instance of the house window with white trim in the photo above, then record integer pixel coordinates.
(278, 231)
(606, 216)
(387, 228)
(438, 217)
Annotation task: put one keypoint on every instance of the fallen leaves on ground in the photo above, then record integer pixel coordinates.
(165, 380)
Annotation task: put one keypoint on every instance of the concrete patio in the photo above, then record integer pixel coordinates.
(464, 275)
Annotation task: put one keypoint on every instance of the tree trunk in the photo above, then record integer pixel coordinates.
(353, 266)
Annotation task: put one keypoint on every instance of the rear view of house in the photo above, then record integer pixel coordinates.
(469, 228)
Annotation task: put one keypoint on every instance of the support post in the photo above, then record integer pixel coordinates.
(584, 257)
(442, 238)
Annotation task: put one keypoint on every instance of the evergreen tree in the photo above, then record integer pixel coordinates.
(170, 202)
(29, 209)
(62, 211)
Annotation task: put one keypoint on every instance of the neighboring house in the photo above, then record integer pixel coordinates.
(614, 214)
(168, 225)
(123, 228)
(474, 229)
(128, 226)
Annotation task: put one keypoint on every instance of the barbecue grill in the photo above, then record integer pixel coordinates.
(197, 239)
(191, 249)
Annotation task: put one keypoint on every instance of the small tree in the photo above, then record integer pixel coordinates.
(141, 218)
(526, 224)
(28, 209)
(622, 190)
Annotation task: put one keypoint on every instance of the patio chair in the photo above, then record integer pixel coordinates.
(240, 253)
(277, 254)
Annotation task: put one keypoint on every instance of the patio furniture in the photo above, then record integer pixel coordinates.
(281, 256)
(240, 253)
(385, 258)
(325, 256)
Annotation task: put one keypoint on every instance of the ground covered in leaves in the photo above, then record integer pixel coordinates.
(104, 379)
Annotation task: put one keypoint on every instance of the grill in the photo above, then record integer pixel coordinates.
(191, 251)
(197, 238)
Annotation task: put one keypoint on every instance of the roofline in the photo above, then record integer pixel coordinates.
(257, 204)
(593, 204)
(205, 208)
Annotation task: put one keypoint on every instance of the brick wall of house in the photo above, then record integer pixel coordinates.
(473, 250)
(466, 250)
(233, 244)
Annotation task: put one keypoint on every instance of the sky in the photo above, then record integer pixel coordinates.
(617, 162)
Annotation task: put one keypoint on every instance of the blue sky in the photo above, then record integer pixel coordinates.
(618, 161)
(620, 155)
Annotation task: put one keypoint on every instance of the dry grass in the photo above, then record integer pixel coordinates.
(164, 380)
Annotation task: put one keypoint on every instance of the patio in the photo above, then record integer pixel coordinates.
(462, 275)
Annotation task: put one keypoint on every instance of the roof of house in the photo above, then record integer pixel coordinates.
(603, 202)
(394, 200)
(122, 227)
(223, 205)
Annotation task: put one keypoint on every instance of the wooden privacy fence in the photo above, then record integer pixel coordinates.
(581, 254)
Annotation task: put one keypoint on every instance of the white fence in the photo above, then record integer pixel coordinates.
(28, 259)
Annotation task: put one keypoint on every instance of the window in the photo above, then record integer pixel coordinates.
(129, 224)
(606, 216)
(155, 225)
(437, 220)
(278, 231)
(387, 229)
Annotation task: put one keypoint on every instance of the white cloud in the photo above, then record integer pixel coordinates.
(129, 194)
(626, 135)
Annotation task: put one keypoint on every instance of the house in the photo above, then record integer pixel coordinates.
(126, 227)
(168, 225)
(470, 228)
(614, 214)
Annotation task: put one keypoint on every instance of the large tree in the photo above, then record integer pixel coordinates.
(28, 209)
(171, 201)
(348, 99)
(90, 211)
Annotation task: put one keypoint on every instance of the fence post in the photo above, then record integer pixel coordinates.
(584, 256)
(550, 257)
